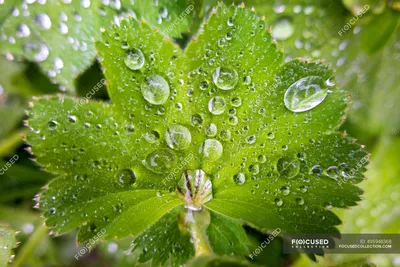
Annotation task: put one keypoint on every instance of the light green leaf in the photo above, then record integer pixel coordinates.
(7, 243)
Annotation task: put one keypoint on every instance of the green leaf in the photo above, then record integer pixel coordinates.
(214, 261)
(56, 35)
(222, 128)
(7, 243)
(379, 30)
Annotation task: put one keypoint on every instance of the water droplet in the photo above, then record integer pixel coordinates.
(239, 178)
(211, 149)
(288, 166)
(299, 201)
(211, 130)
(247, 80)
(72, 119)
(236, 102)
(305, 94)
(203, 85)
(217, 105)
(333, 172)
(134, 59)
(278, 202)
(160, 160)
(283, 28)
(52, 125)
(271, 135)
(23, 31)
(196, 119)
(151, 137)
(262, 159)
(254, 169)
(251, 139)
(285, 190)
(63, 28)
(126, 177)
(230, 21)
(85, 3)
(155, 90)
(43, 20)
(225, 135)
(328, 206)
(178, 137)
(130, 128)
(58, 63)
(317, 170)
(225, 78)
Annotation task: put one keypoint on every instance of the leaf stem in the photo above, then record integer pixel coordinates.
(198, 226)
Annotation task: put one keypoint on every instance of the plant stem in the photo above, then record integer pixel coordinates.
(30, 245)
(198, 231)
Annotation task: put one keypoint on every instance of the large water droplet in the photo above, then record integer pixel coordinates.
(178, 137)
(126, 177)
(285, 190)
(333, 172)
(160, 160)
(43, 20)
(278, 202)
(211, 149)
(288, 166)
(217, 105)
(283, 28)
(305, 94)
(52, 125)
(134, 59)
(239, 178)
(211, 130)
(225, 78)
(155, 89)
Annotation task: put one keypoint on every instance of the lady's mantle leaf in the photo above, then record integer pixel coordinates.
(7, 243)
(224, 117)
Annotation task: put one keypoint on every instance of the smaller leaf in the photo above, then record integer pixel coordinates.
(378, 32)
(7, 243)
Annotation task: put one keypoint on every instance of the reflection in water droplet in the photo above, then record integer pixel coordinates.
(196, 119)
(155, 89)
(160, 160)
(23, 31)
(278, 202)
(52, 125)
(300, 201)
(217, 105)
(178, 137)
(288, 166)
(285, 190)
(211, 130)
(134, 59)
(283, 28)
(239, 178)
(333, 172)
(151, 137)
(236, 101)
(305, 94)
(126, 177)
(225, 78)
(211, 149)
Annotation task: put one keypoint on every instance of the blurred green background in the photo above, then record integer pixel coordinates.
(360, 39)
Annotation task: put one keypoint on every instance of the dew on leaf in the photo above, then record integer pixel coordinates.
(211, 149)
(160, 160)
(58, 63)
(225, 135)
(285, 190)
(251, 139)
(151, 137)
(155, 89)
(196, 119)
(254, 169)
(317, 170)
(236, 101)
(72, 119)
(305, 94)
(299, 201)
(211, 130)
(63, 28)
(52, 125)
(178, 137)
(225, 78)
(43, 20)
(203, 85)
(239, 178)
(217, 105)
(288, 166)
(23, 31)
(332, 172)
(126, 177)
(271, 135)
(134, 59)
(278, 202)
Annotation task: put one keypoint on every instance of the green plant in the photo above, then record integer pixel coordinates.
(240, 132)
